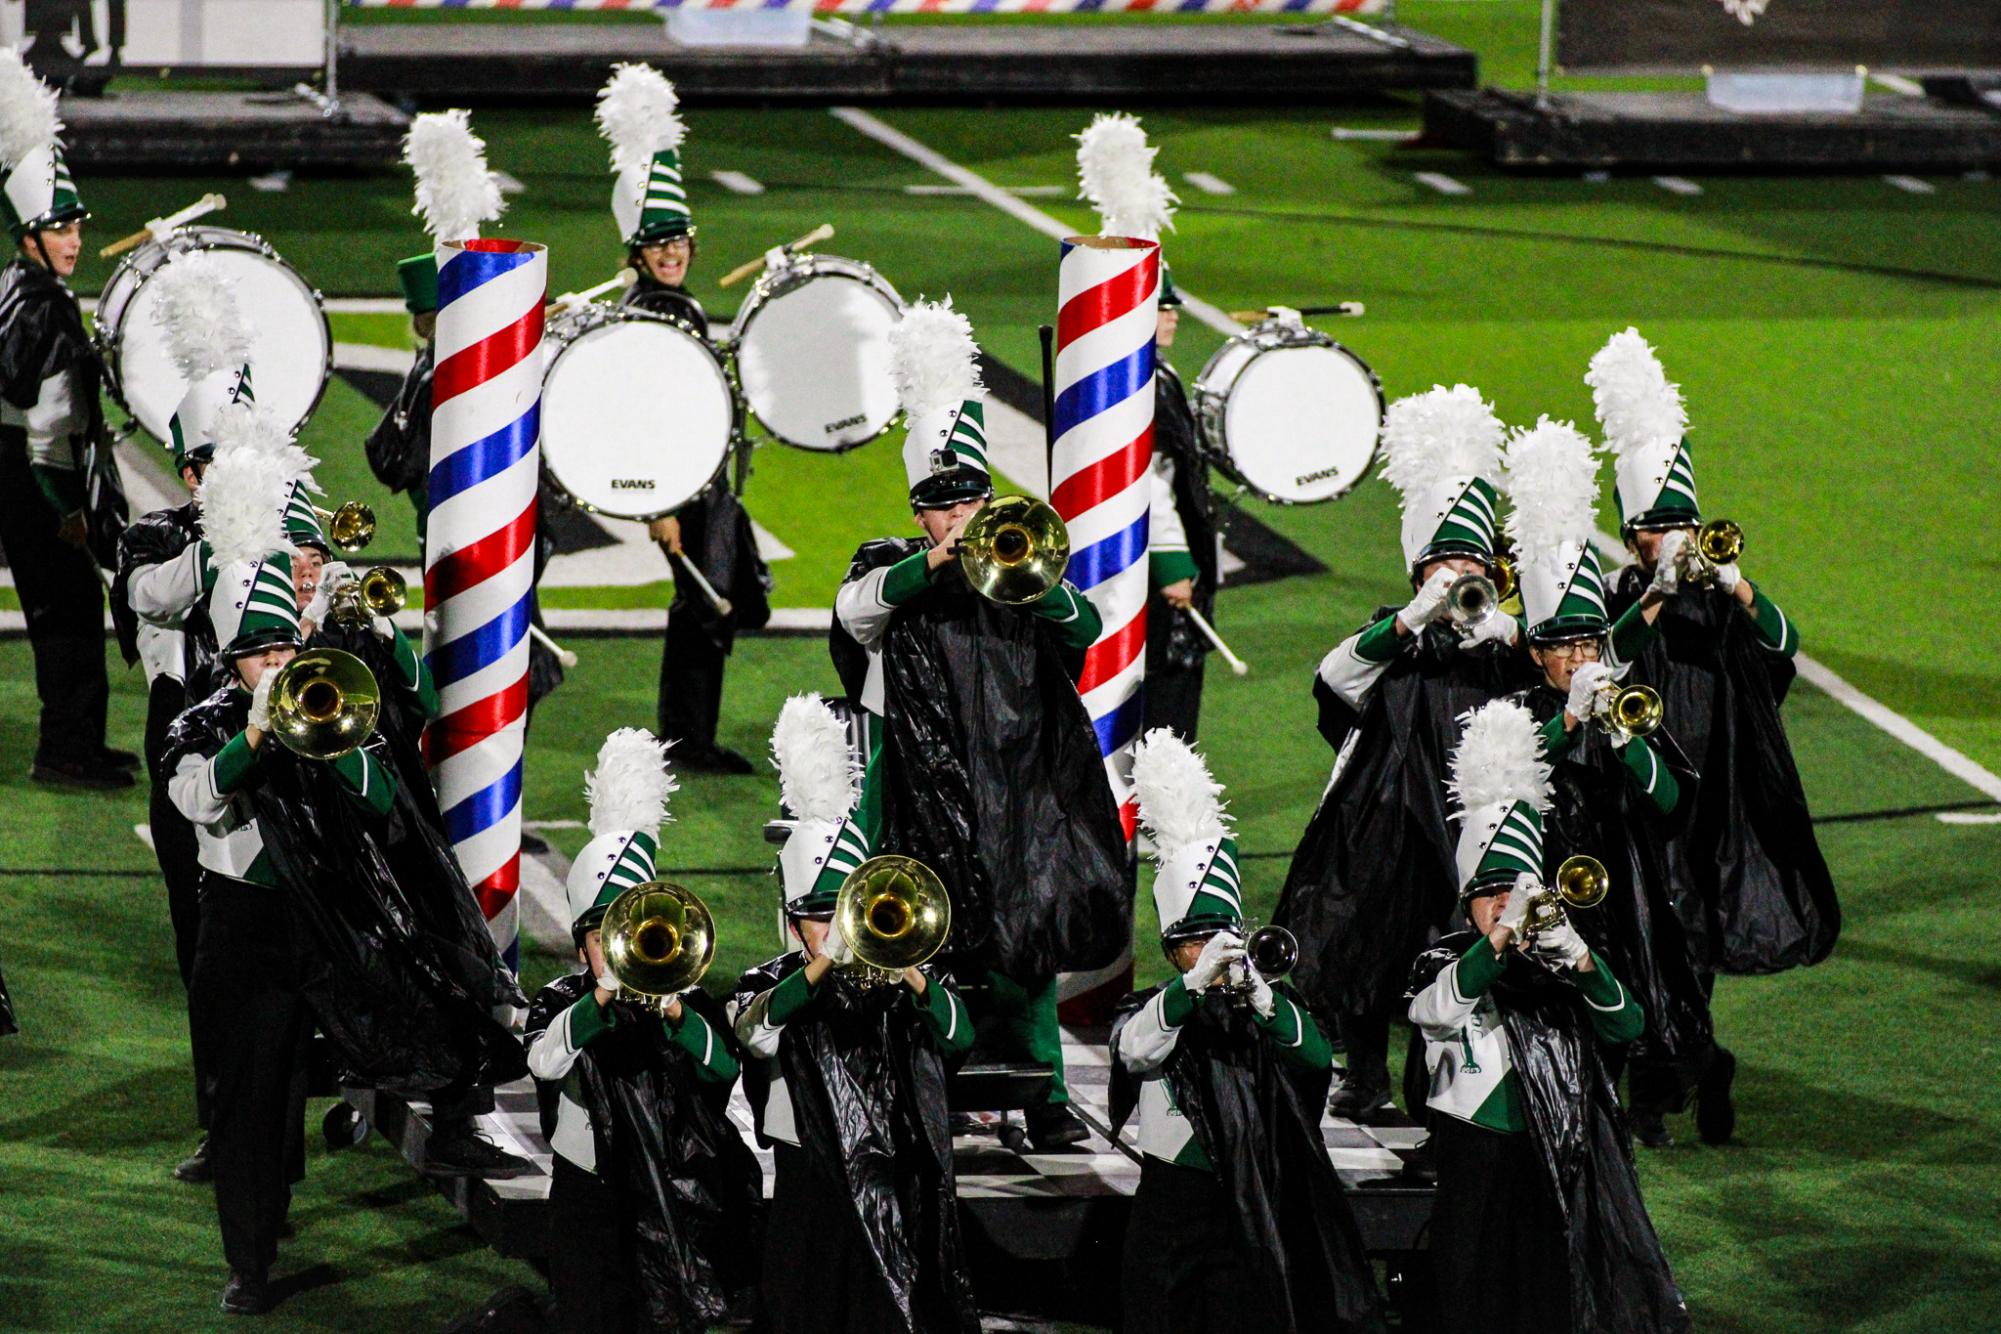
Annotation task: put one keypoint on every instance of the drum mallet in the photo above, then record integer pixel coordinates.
(626, 278)
(1338, 308)
(161, 226)
(541, 636)
(1237, 664)
(824, 232)
(723, 605)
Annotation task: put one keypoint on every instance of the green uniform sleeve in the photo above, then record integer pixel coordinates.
(1631, 635)
(1479, 967)
(1643, 762)
(1380, 642)
(907, 578)
(1299, 1040)
(232, 765)
(1557, 740)
(868, 810)
(366, 778)
(1615, 1015)
(1774, 626)
(945, 1015)
(1170, 567)
(416, 674)
(1076, 621)
(713, 1062)
(788, 998)
(589, 1020)
(1176, 1005)
(63, 488)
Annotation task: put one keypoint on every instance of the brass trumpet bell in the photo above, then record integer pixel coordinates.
(324, 704)
(1582, 881)
(1273, 951)
(1014, 550)
(1635, 710)
(1505, 579)
(659, 939)
(350, 528)
(894, 913)
(1471, 601)
(1720, 541)
(380, 591)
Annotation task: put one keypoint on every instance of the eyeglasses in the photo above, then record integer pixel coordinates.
(1576, 648)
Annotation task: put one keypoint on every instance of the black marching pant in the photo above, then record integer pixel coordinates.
(1497, 1240)
(250, 1031)
(591, 1259)
(1367, 1039)
(174, 846)
(1173, 699)
(691, 682)
(1184, 1267)
(63, 602)
(819, 1275)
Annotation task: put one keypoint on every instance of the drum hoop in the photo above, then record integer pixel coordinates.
(776, 282)
(108, 344)
(724, 371)
(1212, 401)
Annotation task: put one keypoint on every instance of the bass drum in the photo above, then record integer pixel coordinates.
(1289, 413)
(637, 414)
(812, 352)
(292, 348)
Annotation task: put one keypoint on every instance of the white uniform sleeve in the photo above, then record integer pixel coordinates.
(164, 593)
(1349, 674)
(50, 423)
(552, 1053)
(192, 790)
(859, 605)
(1439, 1011)
(1146, 1040)
(759, 1037)
(1163, 526)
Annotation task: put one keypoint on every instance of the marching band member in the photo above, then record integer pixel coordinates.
(848, 1085)
(636, 111)
(1115, 172)
(399, 448)
(8, 1025)
(653, 1188)
(988, 766)
(1372, 878)
(1611, 792)
(1538, 1225)
(1747, 875)
(1239, 1220)
(60, 506)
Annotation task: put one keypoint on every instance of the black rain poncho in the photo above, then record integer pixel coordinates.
(1171, 635)
(1749, 882)
(868, 1101)
(7, 1024)
(1373, 877)
(992, 777)
(1259, 1123)
(405, 978)
(690, 1185)
(1618, 1275)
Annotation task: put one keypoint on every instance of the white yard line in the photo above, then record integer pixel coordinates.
(1677, 185)
(1890, 721)
(1208, 184)
(737, 182)
(1898, 84)
(1911, 185)
(1020, 191)
(1445, 185)
(1969, 817)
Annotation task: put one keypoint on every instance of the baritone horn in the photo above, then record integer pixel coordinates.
(1634, 710)
(1718, 542)
(350, 528)
(659, 939)
(1580, 882)
(1014, 550)
(894, 913)
(324, 703)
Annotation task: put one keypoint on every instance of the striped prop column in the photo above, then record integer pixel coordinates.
(1109, 289)
(479, 557)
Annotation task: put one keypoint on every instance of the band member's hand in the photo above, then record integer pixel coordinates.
(914, 979)
(1263, 1002)
(836, 949)
(383, 627)
(1430, 600)
(948, 550)
(1180, 594)
(1584, 684)
(673, 1010)
(667, 532)
(1517, 910)
(1667, 565)
(1498, 628)
(1561, 947)
(314, 614)
(260, 703)
(1728, 577)
(73, 529)
(1218, 953)
(335, 574)
(607, 988)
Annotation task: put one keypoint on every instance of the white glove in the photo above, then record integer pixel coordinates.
(1498, 628)
(609, 981)
(836, 947)
(260, 701)
(1262, 999)
(1667, 565)
(1222, 949)
(316, 609)
(1561, 946)
(1728, 577)
(384, 628)
(777, 257)
(1430, 600)
(335, 573)
(1517, 910)
(1584, 683)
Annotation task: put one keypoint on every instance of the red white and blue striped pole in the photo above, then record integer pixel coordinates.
(1108, 290)
(479, 555)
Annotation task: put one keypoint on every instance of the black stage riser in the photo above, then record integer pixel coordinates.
(1650, 132)
(1185, 64)
(169, 131)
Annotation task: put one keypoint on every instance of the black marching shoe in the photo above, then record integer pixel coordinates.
(195, 1169)
(87, 775)
(458, 1151)
(1359, 1100)
(245, 1294)
(1715, 1109)
(114, 758)
(1649, 1129)
(1054, 1126)
(713, 760)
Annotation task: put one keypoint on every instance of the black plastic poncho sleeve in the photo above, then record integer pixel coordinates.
(1170, 632)
(993, 778)
(7, 1022)
(716, 534)
(399, 448)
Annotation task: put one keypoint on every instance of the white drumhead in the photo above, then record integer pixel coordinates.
(636, 418)
(1301, 423)
(814, 363)
(290, 356)
(1227, 364)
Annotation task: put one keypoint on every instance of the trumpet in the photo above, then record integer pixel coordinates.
(894, 913)
(1014, 550)
(658, 941)
(1634, 710)
(380, 591)
(324, 703)
(1273, 951)
(1581, 882)
(1718, 542)
(350, 528)
(1474, 598)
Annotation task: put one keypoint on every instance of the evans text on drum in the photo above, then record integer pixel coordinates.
(812, 352)
(637, 413)
(1289, 413)
(293, 347)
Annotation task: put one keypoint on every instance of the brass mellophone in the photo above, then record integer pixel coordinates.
(324, 703)
(895, 913)
(1014, 550)
(659, 939)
